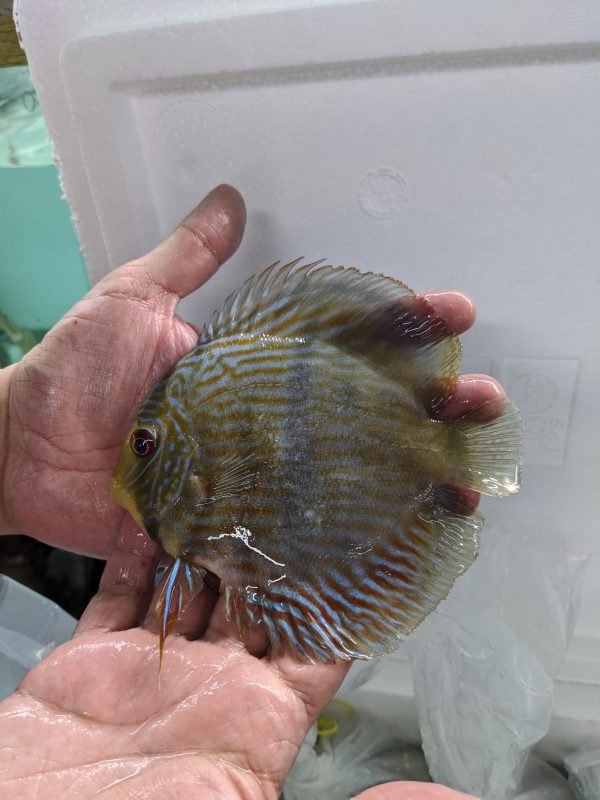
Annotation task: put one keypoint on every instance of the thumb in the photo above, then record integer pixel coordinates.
(200, 244)
(206, 238)
(186, 259)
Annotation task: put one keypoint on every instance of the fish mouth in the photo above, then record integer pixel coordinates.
(124, 499)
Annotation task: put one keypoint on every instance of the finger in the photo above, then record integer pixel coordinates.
(457, 499)
(195, 618)
(255, 641)
(125, 586)
(314, 684)
(471, 391)
(409, 790)
(200, 244)
(456, 308)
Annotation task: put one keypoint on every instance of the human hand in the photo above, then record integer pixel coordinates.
(67, 404)
(225, 720)
(95, 719)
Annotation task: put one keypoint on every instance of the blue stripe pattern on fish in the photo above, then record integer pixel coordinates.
(295, 453)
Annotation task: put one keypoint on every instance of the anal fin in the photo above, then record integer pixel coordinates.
(365, 606)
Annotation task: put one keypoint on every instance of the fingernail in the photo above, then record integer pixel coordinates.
(221, 196)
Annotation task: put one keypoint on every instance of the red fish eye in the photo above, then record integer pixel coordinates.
(143, 442)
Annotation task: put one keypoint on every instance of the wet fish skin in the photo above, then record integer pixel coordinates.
(298, 457)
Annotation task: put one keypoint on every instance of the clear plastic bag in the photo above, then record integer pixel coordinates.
(346, 752)
(484, 664)
(543, 782)
(360, 673)
(31, 626)
(584, 774)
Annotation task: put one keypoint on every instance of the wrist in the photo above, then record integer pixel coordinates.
(5, 379)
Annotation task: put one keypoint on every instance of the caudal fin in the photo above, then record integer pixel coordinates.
(488, 443)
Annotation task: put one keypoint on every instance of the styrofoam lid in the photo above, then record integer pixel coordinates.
(445, 144)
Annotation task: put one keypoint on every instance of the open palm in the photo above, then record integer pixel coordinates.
(96, 716)
(96, 719)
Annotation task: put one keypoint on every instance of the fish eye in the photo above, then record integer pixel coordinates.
(143, 442)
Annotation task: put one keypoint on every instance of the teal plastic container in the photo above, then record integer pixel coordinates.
(42, 273)
(41, 270)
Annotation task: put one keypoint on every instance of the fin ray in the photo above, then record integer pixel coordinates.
(488, 442)
(371, 316)
(389, 594)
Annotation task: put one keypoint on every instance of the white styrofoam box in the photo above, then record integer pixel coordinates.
(447, 144)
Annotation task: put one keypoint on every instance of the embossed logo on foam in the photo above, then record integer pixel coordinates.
(383, 192)
(544, 389)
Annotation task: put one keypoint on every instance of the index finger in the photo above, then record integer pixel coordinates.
(455, 307)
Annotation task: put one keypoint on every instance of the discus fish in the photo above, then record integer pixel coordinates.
(295, 453)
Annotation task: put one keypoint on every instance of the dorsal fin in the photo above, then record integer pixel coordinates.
(371, 316)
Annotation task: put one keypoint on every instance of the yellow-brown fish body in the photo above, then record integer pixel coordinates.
(295, 454)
